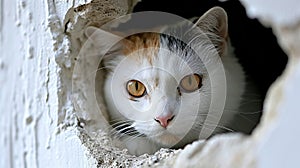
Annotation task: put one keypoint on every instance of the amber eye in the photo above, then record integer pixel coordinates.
(136, 88)
(191, 83)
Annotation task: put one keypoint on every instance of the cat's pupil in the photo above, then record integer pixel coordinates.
(136, 86)
(190, 80)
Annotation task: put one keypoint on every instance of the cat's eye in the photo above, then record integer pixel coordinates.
(191, 83)
(136, 88)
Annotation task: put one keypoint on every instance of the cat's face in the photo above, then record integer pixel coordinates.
(158, 87)
(161, 91)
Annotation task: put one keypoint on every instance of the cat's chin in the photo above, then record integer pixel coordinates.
(166, 139)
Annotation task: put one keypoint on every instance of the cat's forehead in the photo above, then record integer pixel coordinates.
(162, 55)
(142, 46)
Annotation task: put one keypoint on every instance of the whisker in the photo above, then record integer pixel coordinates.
(130, 138)
(120, 122)
(216, 126)
(250, 113)
(128, 133)
(93, 72)
(120, 128)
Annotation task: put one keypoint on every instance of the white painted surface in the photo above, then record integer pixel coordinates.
(279, 136)
(29, 81)
(280, 146)
(280, 12)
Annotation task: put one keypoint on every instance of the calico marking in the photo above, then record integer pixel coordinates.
(142, 45)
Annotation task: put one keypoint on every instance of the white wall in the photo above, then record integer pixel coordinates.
(30, 88)
(279, 136)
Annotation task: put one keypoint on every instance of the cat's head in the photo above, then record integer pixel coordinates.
(158, 85)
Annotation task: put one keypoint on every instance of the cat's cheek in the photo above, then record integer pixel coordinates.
(147, 128)
(141, 104)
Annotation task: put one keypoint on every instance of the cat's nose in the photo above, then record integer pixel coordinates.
(165, 120)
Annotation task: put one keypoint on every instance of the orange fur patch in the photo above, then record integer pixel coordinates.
(142, 46)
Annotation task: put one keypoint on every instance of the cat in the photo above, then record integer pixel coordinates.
(162, 91)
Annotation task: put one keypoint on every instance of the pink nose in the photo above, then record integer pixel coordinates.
(165, 120)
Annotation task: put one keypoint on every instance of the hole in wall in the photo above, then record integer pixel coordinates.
(255, 46)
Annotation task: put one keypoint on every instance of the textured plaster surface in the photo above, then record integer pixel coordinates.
(30, 90)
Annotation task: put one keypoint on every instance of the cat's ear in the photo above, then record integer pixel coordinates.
(101, 38)
(214, 23)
